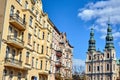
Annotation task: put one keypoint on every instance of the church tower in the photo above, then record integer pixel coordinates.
(101, 65)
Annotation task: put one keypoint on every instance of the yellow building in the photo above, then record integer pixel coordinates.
(26, 39)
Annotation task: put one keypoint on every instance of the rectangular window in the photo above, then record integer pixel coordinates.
(35, 30)
(37, 47)
(36, 63)
(39, 33)
(46, 65)
(108, 67)
(29, 38)
(34, 44)
(43, 35)
(26, 5)
(27, 57)
(98, 68)
(41, 62)
(31, 21)
(42, 49)
(32, 61)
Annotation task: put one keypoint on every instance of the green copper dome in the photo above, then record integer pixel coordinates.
(109, 38)
(92, 41)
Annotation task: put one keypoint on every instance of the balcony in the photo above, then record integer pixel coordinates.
(58, 64)
(16, 42)
(10, 62)
(17, 22)
(58, 53)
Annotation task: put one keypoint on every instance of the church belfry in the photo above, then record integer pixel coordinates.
(92, 46)
(109, 38)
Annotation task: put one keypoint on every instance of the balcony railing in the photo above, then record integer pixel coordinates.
(17, 21)
(13, 62)
(58, 53)
(58, 64)
(17, 42)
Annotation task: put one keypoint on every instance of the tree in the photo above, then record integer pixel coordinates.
(78, 72)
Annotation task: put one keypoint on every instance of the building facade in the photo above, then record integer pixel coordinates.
(26, 39)
(101, 65)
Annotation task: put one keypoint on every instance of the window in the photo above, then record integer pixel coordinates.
(42, 49)
(4, 74)
(20, 57)
(7, 51)
(47, 50)
(17, 15)
(13, 53)
(108, 67)
(34, 45)
(48, 37)
(27, 57)
(24, 17)
(41, 62)
(12, 10)
(89, 57)
(11, 75)
(36, 63)
(32, 61)
(37, 16)
(29, 38)
(35, 30)
(10, 29)
(46, 65)
(19, 76)
(40, 19)
(108, 55)
(43, 35)
(32, 8)
(44, 24)
(26, 5)
(89, 68)
(19, 1)
(39, 33)
(98, 68)
(31, 20)
(37, 47)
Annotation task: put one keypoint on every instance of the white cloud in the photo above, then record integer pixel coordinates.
(78, 62)
(116, 35)
(99, 12)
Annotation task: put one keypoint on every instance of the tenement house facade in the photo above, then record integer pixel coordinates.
(26, 39)
(101, 65)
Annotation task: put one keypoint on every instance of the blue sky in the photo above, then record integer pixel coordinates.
(75, 17)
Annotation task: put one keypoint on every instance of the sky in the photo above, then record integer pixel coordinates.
(76, 17)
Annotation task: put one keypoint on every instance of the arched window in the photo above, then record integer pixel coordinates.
(7, 51)
(12, 10)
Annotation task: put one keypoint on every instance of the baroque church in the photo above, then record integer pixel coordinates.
(101, 65)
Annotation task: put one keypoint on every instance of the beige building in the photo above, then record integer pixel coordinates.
(26, 40)
(101, 65)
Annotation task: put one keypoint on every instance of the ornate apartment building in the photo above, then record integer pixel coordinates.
(101, 65)
(26, 40)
